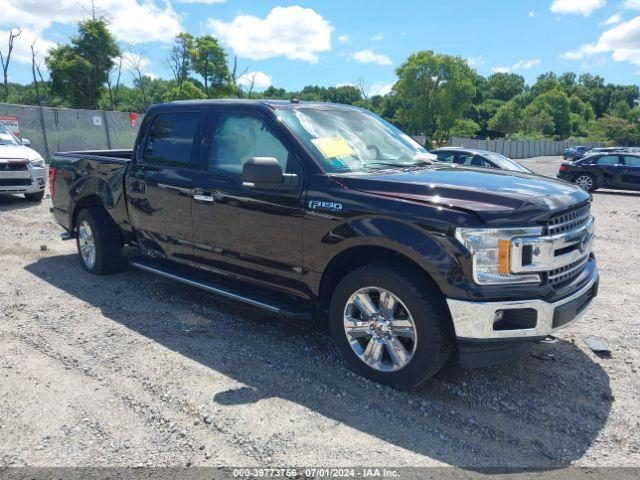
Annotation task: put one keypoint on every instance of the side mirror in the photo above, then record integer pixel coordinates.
(262, 172)
(26, 142)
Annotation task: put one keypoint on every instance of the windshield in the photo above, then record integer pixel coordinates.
(7, 138)
(353, 140)
(506, 163)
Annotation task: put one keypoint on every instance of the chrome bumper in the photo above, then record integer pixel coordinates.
(475, 320)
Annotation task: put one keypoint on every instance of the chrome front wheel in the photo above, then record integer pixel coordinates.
(87, 244)
(380, 329)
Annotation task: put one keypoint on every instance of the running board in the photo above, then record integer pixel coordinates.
(279, 308)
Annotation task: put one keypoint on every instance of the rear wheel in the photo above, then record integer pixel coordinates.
(585, 182)
(34, 197)
(391, 325)
(98, 241)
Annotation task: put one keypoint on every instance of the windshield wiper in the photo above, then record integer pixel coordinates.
(388, 163)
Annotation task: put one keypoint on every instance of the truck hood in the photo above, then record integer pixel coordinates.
(494, 195)
(13, 152)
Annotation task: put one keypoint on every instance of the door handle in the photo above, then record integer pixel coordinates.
(200, 196)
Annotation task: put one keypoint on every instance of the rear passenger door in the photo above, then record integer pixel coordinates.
(608, 170)
(631, 174)
(159, 184)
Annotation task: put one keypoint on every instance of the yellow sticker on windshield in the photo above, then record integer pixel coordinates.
(332, 147)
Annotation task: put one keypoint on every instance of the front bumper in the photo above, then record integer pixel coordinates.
(32, 180)
(480, 321)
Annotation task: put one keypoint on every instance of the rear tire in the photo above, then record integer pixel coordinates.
(586, 182)
(34, 197)
(417, 305)
(99, 242)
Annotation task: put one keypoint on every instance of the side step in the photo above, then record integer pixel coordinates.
(271, 305)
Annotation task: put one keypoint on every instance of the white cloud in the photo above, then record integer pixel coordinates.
(259, 80)
(612, 20)
(519, 65)
(532, 14)
(368, 56)
(474, 61)
(22, 46)
(206, 2)
(622, 42)
(632, 4)
(380, 88)
(132, 21)
(345, 39)
(293, 32)
(377, 37)
(581, 7)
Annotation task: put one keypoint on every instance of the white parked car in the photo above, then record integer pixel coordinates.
(22, 169)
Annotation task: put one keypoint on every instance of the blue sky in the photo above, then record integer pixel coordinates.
(331, 42)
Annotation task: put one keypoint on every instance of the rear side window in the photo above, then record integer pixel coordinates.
(170, 139)
(608, 160)
(448, 157)
(632, 161)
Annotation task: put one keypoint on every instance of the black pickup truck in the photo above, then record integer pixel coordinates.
(327, 211)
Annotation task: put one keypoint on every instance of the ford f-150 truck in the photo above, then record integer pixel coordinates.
(327, 211)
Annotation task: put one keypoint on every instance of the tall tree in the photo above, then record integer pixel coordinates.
(180, 55)
(209, 60)
(504, 86)
(80, 70)
(6, 60)
(434, 90)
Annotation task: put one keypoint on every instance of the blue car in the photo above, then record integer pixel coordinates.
(576, 152)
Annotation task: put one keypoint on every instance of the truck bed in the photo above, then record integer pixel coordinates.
(117, 156)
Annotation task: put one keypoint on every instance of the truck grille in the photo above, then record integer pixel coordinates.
(13, 167)
(14, 182)
(567, 221)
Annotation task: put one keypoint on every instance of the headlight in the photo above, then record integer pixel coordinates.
(491, 252)
(38, 162)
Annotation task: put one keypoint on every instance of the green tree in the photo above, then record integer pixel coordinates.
(505, 86)
(555, 103)
(79, 71)
(434, 91)
(187, 91)
(465, 128)
(507, 119)
(180, 55)
(619, 130)
(536, 122)
(209, 60)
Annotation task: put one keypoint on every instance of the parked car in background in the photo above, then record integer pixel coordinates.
(604, 170)
(478, 158)
(576, 152)
(22, 169)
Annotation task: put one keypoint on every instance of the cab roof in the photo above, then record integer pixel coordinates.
(264, 103)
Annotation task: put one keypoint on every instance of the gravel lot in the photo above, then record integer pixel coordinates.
(134, 369)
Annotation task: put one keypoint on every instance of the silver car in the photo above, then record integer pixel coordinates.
(22, 169)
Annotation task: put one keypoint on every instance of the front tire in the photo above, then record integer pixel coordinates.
(391, 325)
(34, 197)
(98, 241)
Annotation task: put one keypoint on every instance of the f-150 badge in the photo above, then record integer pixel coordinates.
(322, 205)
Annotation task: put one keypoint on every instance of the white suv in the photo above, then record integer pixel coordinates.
(22, 169)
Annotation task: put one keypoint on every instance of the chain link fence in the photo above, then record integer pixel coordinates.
(519, 148)
(53, 129)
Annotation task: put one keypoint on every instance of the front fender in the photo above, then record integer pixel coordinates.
(432, 251)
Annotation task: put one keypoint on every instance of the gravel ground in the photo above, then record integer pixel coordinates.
(134, 369)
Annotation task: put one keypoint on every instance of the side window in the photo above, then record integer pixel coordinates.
(632, 161)
(448, 157)
(170, 139)
(608, 160)
(240, 137)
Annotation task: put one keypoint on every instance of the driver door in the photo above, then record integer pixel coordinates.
(247, 232)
